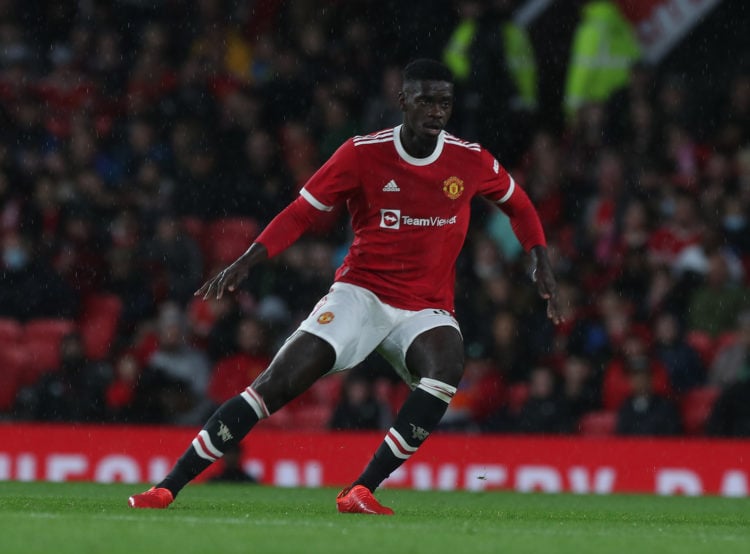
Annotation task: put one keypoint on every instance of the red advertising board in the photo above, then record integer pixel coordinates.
(447, 461)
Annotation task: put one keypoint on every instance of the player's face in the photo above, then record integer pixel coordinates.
(427, 106)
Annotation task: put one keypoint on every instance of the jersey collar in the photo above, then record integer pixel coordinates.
(411, 159)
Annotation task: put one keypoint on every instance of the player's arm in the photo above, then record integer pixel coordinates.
(329, 186)
(527, 227)
(281, 233)
(500, 188)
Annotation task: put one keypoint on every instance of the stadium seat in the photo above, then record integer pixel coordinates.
(517, 395)
(41, 340)
(703, 343)
(43, 356)
(311, 418)
(282, 420)
(695, 408)
(99, 322)
(326, 391)
(11, 331)
(397, 396)
(226, 239)
(13, 368)
(48, 329)
(598, 424)
(194, 227)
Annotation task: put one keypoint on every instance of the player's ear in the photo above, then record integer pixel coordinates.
(402, 100)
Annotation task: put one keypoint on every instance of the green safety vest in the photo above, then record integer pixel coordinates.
(604, 49)
(519, 55)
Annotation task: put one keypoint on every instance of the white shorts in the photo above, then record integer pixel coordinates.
(355, 323)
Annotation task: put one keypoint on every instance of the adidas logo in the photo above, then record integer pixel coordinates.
(391, 187)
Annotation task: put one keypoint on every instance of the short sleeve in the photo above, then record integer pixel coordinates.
(496, 184)
(335, 181)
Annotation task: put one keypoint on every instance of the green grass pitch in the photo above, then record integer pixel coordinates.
(85, 518)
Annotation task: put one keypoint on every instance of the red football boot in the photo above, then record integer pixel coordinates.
(152, 498)
(359, 500)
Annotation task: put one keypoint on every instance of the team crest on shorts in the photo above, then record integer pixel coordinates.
(453, 187)
(325, 317)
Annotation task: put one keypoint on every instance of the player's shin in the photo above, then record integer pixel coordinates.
(226, 427)
(418, 417)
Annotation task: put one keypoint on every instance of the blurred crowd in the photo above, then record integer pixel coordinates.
(142, 145)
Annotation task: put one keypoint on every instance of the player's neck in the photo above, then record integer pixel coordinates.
(419, 147)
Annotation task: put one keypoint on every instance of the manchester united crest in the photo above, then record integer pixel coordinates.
(325, 317)
(453, 187)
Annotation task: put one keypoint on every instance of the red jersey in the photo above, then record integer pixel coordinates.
(410, 215)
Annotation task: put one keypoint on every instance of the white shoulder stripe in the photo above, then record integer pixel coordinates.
(380, 134)
(508, 194)
(373, 141)
(470, 145)
(314, 201)
(455, 140)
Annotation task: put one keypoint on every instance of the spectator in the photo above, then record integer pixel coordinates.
(604, 48)
(262, 184)
(715, 304)
(618, 383)
(131, 286)
(120, 393)
(508, 349)
(30, 287)
(232, 470)
(175, 258)
(480, 394)
(683, 364)
(487, 52)
(731, 359)
(172, 387)
(580, 389)
(382, 110)
(730, 416)
(72, 392)
(358, 407)
(233, 373)
(644, 412)
(545, 410)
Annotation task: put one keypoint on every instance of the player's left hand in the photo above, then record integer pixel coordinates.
(230, 278)
(546, 284)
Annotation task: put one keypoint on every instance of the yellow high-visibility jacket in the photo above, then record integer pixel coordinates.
(519, 53)
(603, 51)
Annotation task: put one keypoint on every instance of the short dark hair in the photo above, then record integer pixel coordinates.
(425, 69)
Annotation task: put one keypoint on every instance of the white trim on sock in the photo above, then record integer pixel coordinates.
(256, 402)
(203, 447)
(438, 389)
(398, 445)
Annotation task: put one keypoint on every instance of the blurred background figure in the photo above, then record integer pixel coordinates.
(603, 51)
(251, 356)
(684, 366)
(545, 410)
(493, 62)
(74, 391)
(358, 406)
(644, 412)
(172, 387)
(231, 468)
(730, 361)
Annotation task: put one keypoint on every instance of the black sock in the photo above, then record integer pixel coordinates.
(420, 414)
(226, 427)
